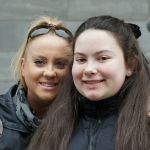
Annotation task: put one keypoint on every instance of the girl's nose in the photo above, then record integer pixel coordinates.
(90, 70)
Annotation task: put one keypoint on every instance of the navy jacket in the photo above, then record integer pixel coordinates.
(13, 134)
(96, 126)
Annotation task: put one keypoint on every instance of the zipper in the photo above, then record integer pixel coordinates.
(92, 144)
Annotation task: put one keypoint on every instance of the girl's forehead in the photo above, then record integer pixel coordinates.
(97, 34)
(96, 37)
(97, 42)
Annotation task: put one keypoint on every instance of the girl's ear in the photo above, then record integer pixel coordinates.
(148, 109)
(130, 66)
(129, 72)
(148, 113)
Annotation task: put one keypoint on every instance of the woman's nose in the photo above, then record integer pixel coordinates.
(49, 73)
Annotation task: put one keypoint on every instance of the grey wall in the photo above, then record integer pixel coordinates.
(15, 16)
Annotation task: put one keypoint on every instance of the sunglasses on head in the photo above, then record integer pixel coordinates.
(45, 28)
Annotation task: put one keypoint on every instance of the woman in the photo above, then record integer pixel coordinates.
(112, 77)
(41, 64)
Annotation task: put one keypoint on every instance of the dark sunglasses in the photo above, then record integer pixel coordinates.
(45, 28)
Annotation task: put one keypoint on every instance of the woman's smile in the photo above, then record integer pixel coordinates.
(49, 86)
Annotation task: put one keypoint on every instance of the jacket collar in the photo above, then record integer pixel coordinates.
(99, 109)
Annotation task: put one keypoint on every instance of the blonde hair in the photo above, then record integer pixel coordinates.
(16, 62)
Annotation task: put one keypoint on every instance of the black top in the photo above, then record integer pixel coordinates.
(96, 125)
(99, 109)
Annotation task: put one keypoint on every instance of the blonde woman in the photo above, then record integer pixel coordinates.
(41, 65)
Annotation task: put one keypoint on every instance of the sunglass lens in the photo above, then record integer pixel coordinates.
(39, 32)
(62, 33)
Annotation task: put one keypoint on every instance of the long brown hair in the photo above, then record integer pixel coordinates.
(57, 126)
(61, 113)
(132, 130)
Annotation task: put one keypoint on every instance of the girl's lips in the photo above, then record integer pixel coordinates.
(92, 81)
(93, 84)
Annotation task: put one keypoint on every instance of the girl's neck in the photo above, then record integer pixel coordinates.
(102, 108)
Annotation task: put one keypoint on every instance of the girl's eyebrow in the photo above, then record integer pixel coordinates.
(79, 53)
(96, 53)
(102, 51)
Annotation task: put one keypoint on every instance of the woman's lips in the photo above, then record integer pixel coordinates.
(48, 84)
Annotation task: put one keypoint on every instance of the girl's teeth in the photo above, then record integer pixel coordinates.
(92, 82)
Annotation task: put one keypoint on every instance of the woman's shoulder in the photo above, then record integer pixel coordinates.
(8, 117)
(6, 102)
(9, 94)
(12, 131)
(11, 139)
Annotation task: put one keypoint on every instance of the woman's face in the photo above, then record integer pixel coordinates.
(44, 67)
(99, 68)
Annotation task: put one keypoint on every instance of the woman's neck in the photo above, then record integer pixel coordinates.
(39, 107)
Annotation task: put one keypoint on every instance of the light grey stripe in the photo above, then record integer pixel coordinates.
(1, 128)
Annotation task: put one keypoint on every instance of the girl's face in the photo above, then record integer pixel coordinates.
(99, 69)
(44, 67)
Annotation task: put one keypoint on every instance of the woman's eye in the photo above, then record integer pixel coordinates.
(39, 62)
(61, 64)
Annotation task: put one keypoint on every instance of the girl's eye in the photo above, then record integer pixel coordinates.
(39, 62)
(81, 60)
(102, 58)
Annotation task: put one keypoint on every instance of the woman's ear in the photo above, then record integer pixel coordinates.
(130, 66)
(22, 66)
